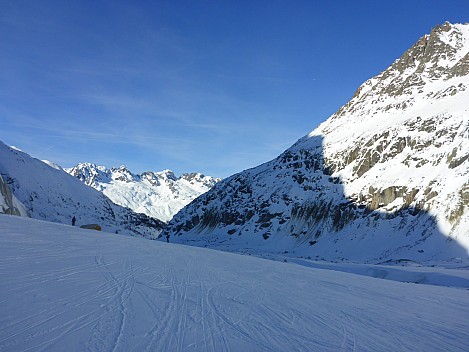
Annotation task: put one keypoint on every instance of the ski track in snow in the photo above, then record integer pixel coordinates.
(63, 287)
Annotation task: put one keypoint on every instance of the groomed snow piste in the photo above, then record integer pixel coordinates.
(65, 288)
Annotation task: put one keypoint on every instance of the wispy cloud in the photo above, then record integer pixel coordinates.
(126, 83)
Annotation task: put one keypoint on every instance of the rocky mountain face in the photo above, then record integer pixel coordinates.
(156, 194)
(32, 187)
(385, 177)
(9, 204)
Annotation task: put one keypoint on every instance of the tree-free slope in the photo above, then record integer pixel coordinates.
(66, 288)
(51, 194)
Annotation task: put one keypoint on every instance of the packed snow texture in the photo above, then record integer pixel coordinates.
(159, 195)
(65, 288)
(49, 193)
(385, 177)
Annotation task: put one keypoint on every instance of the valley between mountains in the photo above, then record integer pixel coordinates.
(356, 238)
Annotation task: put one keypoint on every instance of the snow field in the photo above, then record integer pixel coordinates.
(64, 287)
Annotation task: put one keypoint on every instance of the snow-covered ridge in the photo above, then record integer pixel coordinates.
(385, 177)
(52, 164)
(35, 188)
(156, 194)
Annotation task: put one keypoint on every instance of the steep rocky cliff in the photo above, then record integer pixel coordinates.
(385, 177)
(9, 204)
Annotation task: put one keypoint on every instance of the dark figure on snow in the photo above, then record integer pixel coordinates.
(74, 220)
(167, 238)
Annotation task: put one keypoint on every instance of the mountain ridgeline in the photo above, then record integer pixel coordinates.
(385, 177)
(159, 195)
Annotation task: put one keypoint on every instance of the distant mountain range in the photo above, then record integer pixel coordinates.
(384, 178)
(31, 187)
(159, 195)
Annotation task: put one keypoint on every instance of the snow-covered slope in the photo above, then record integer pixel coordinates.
(52, 164)
(386, 176)
(63, 288)
(51, 194)
(157, 194)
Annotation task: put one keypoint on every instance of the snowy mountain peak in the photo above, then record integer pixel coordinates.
(166, 175)
(434, 55)
(90, 174)
(441, 56)
(156, 194)
(388, 171)
(194, 178)
(122, 174)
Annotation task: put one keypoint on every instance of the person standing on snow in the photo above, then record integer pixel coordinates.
(74, 219)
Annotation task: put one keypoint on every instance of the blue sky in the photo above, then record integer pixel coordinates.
(208, 86)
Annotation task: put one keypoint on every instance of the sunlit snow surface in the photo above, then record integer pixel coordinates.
(64, 288)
